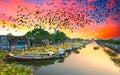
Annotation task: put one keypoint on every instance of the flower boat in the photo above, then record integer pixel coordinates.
(30, 57)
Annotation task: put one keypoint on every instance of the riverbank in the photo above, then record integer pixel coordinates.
(112, 45)
(114, 55)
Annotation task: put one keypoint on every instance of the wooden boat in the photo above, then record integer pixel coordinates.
(75, 47)
(96, 47)
(30, 57)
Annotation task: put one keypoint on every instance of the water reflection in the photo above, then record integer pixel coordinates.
(85, 61)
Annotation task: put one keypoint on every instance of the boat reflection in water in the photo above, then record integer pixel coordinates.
(85, 61)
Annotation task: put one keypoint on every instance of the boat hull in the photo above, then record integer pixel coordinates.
(22, 58)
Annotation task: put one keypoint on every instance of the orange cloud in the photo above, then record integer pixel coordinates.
(108, 29)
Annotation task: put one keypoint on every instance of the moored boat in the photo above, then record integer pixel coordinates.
(30, 57)
(76, 47)
(96, 47)
(61, 51)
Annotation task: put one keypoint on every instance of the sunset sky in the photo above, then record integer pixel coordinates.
(77, 18)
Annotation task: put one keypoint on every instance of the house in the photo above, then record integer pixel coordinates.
(4, 44)
(17, 43)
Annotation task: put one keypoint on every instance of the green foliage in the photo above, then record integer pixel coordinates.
(37, 35)
(8, 69)
(36, 48)
(65, 46)
(112, 41)
(28, 36)
(2, 54)
(60, 36)
(79, 39)
(51, 49)
(17, 52)
(51, 37)
(40, 34)
(10, 37)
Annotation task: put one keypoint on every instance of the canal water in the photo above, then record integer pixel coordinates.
(85, 61)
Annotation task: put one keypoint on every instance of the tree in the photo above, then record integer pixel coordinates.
(79, 39)
(10, 37)
(40, 35)
(29, 38)
(51, 38)
(60, 36)
(36, 35)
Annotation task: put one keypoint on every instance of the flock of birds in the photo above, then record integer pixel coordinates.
(73, 17)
